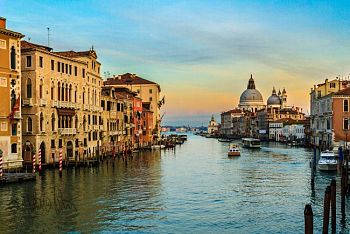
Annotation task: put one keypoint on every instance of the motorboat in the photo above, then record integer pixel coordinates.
(328, 161)
(234, 150)
(251, 143)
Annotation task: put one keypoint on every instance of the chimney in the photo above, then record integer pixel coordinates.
(2, 22)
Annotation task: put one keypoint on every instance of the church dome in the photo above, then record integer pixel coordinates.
(274, 99)
(251, 94)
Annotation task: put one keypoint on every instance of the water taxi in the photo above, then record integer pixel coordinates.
(251, 143)
(233, 150)
(328, 161)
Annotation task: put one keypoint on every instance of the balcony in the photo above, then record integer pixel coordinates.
(27, 101)
(86, 107)
(67, 131)
(43, 102)
(54, 103)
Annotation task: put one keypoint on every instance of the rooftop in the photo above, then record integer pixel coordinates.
(127, 79)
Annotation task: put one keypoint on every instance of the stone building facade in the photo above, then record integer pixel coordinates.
(61, 103)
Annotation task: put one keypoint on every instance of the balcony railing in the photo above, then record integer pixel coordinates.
(86, 107)
(113, 113)
(67, 131)
(28, 101)
(54, 103)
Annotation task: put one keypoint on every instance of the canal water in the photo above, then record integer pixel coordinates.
(195, 188)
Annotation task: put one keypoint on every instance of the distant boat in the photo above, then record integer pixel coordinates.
(233, 150)
(328, 161)
(251, 143)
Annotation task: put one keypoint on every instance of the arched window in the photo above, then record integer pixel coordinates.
(41, 122)
(75, 94)
(67, 91)
(29, 124)
(53, 122)
(70, 93)
(29, 88)
(83, 95)
(84, 123)
(13, 58)
(59, 91)
(62, 97)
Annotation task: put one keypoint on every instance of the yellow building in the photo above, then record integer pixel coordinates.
(61, 103)
(10, 90)
(148, 91)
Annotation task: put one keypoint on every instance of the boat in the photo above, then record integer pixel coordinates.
(224, 140)
(251, 143)
(183, 137)
(233, 150)
(328, 161)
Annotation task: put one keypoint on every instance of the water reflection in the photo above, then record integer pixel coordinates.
(195, 188)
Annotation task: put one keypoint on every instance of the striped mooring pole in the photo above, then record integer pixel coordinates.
(34, 163)
(1, 162)
(39, 158)
(60, 163)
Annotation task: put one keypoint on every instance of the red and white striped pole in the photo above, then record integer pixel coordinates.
(39, 158)
(34, 161)
(60, 162)
(1, 162)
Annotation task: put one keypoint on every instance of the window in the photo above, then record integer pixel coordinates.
(29, 88)
(332, 85)
(318, 94)
(346, 105)
(53, 122)
(52, 90)
(41, 122)
(13, 99)
(150, 90)
(345, 123)
(58, 66)
(14, 129)
(52, 65)
(13, 58)
(53, 144)
(66, 68)
(41, 89)
(70, 69)
(118, 106)
(150, 99)
(83, 73)
(41, 63)
(75, 70)
(14, 148)
(62, 67)
(29, 124)
(103, 104)
(29, 61)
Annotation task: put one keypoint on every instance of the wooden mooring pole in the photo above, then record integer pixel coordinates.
(333, 206)
(326, 209)
(343, 191)
(308, 219)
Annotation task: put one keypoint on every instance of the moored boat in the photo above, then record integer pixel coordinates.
(328, 161)
(224, 140)
(251, 143)
(234, 150)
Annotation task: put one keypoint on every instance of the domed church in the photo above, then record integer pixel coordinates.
(251, 99)
(277, 101)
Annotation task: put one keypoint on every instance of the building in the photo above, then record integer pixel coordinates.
(213, 126)
(228, 118)
(327, 106)
(61, 103)
(147, 124)
(148, 91)
(10, 96)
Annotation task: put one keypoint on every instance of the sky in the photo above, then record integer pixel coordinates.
(201, 52)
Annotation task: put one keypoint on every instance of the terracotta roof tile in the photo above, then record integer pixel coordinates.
(126, 79)
(345, 91)
(29, 45)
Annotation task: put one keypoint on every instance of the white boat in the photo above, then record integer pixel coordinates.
(328, 161)
(234, 150)
(251, 143)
